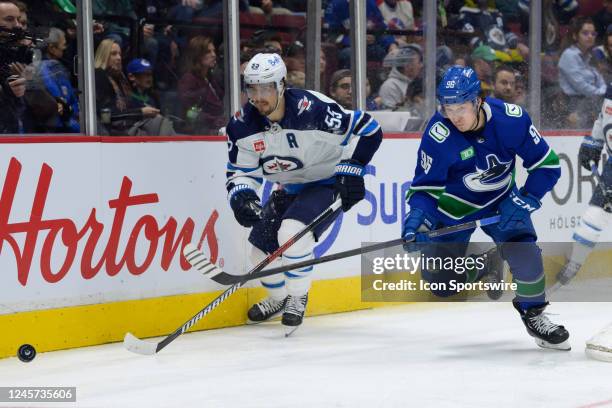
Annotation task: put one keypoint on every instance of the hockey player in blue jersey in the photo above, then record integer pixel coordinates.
(465, 171)
(314, 149)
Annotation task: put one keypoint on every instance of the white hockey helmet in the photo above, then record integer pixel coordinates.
(265, 68)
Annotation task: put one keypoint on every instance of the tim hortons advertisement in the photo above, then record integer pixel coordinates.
(84, 223)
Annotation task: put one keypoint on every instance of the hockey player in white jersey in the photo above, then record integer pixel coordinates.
(314, 149)
(597, 216)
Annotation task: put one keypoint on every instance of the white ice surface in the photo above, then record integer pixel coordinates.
(426, 355)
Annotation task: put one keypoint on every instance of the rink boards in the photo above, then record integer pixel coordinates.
(92, 231)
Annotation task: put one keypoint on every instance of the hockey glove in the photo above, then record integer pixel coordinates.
(516, 209)
(349, 183)
(590, 151)
(246, 206)
(412, 225)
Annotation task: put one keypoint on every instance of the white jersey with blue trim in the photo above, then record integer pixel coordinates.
(602, 127)
(304, 147)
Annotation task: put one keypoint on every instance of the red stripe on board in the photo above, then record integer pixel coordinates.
(206, 138)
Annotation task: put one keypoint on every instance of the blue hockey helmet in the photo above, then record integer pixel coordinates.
(459, 84)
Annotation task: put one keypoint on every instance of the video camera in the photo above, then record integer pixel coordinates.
(16, 45)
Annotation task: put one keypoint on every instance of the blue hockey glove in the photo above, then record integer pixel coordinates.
(590, 151)
(516, 209)
(246, 206)
(349, 183)
(410, 229)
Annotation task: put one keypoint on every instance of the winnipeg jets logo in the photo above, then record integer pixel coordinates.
(304, 105)
(489, 178)
(276, 164)
(239, 115)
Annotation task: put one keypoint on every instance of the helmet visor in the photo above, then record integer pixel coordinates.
(457, 109)
(260, 90)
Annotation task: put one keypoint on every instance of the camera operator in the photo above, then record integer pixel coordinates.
(56, 80)
(21, 107)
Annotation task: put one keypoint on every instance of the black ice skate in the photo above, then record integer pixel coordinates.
(294, 310)
(267, 309)
(546, 333)
(494, 265)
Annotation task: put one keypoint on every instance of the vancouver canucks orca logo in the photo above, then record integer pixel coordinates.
(494, 177)
(279, 164)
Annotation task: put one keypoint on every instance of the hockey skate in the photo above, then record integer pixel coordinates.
(599, 346)
(294, 312)
(546, 333)
(495, 268)
(267, 309)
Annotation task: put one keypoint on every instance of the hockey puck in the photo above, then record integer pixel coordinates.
(26, 353)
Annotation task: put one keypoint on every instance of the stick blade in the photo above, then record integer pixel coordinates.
(135, 345)
(199, 261)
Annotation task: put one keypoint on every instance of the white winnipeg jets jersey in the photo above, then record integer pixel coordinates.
(602, 127)
(304, 147)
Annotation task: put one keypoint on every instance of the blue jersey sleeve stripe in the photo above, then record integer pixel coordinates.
(371, 128)
(356, 115)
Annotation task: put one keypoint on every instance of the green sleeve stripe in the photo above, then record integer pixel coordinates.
(550, 160)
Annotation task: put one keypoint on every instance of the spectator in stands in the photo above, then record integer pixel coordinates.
(578, 78)
(113, 14)
(57, 82)
(296, 79)
(268, 8)
(603, 56)
(564, 10)
(201, 95)
(482, 16)
(407, 66)
(504, 84)
(337, 18)
(23, 13)
(140, 74)
(481, 60)
(603, 18)
(340, 88)
(15, 115)
(398, 15)
(113, 90)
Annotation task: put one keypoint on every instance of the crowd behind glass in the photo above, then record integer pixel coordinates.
(159, 69)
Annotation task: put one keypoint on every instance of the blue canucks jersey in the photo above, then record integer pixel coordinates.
(463, 175)
(304, 147)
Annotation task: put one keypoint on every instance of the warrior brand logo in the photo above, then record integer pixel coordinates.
(210, 307)
(304, 105)
(439, 132)
(485, 180)
(513, 110)
(254, 66)
(276, 164)
(259, 145)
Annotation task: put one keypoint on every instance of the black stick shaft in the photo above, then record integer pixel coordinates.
(332, 209)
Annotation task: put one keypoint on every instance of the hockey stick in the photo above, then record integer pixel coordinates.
(565, 276)
(201, 263)
(136, 345)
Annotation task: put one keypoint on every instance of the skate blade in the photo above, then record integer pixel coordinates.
(598, 352)
(274, 318)
(564, 346)
(290, 330)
